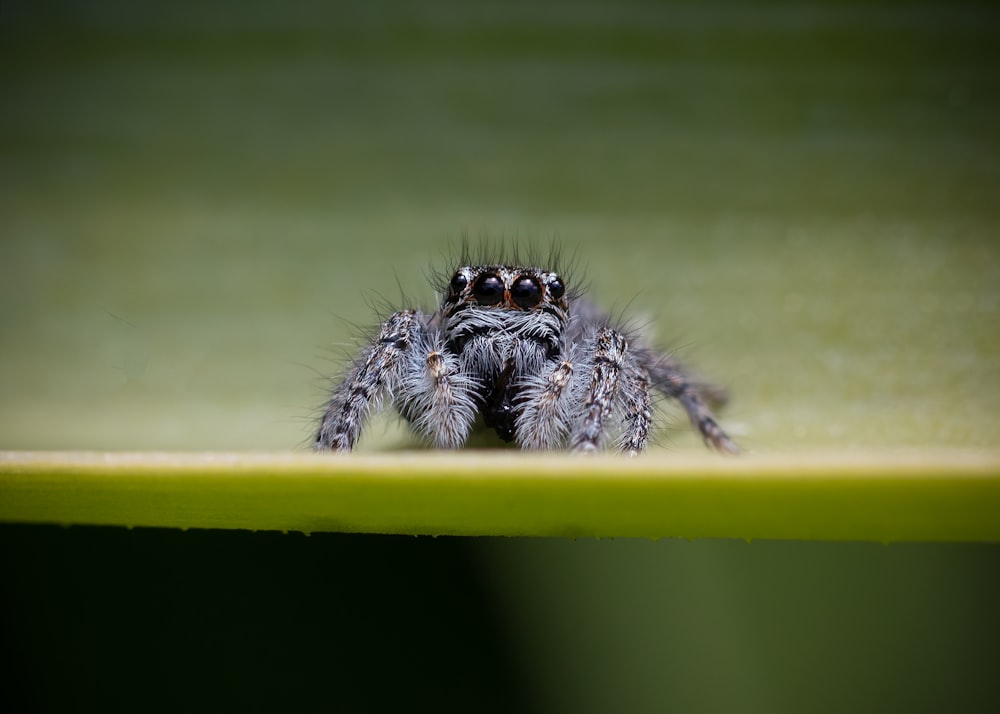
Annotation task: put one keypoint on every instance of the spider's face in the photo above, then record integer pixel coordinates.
(506, 287)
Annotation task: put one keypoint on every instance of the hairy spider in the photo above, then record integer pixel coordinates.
(512, 345)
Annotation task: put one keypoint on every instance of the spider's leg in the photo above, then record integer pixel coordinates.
(637, 408)
(378, 369)
(436, 395)
(601, 390)
(545, 400)
(673, 381)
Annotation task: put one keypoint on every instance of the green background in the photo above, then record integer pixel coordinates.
(196, 199)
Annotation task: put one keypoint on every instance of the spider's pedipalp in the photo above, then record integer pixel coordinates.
(436, 395)
(546, 403)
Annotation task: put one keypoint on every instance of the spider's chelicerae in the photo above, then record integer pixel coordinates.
(516, 347)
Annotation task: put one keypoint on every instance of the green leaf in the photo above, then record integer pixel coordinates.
(888, 497)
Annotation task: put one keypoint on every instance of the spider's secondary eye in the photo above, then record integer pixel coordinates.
(458, 283)
(556, 288)
(488, 289)
(526, 292)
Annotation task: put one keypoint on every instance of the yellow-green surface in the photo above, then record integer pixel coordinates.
(944, 496)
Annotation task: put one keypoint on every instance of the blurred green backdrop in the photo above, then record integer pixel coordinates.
(802, 197)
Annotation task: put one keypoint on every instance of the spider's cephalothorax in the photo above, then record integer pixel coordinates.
(508, 344)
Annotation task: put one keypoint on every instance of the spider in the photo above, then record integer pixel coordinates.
(513, 346)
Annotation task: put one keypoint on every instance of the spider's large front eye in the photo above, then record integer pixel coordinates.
(488, 289)
(557, 288)
(458, 283)
(526, 292)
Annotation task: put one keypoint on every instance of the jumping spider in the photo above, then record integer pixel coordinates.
(514, 345)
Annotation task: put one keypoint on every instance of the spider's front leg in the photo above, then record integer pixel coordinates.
(423, 379)
(637, 408)
(379, 369)
(616, 382)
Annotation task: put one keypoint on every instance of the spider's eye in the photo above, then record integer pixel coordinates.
(526, 292)
(458, 283)
(556, 288)
(488, 289)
